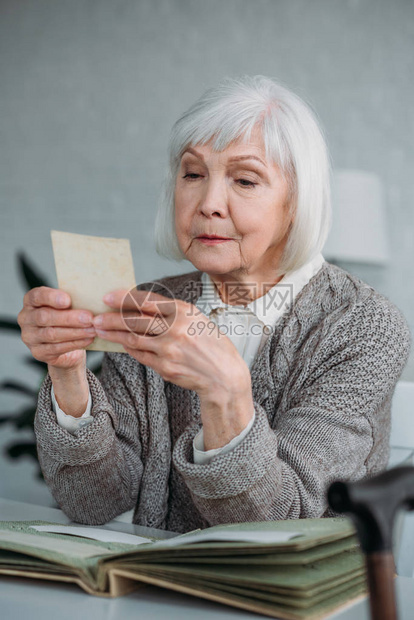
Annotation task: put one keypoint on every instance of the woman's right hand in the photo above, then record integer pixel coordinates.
(53, 332)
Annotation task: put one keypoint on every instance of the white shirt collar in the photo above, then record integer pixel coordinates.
(271, 306)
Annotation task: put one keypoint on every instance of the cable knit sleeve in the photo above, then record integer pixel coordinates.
(332, 420)
(94, 474)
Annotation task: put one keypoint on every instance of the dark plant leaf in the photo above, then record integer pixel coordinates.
(29, 274)
(25, 417)
(17, 450)
(9, 323)
(96, 369)
(94, 364)
(16, 386)
(4, 419)
(34, 362)
(30, 277)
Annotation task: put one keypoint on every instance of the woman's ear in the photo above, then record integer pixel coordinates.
(291, 198)
(291, 209)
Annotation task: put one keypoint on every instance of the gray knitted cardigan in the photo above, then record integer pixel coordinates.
(322, 389)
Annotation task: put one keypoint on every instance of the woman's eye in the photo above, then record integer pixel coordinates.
(191, 175)
(246, 183)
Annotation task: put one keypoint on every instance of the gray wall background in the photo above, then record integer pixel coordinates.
(90, 89)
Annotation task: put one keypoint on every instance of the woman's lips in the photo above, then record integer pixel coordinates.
(212, 240)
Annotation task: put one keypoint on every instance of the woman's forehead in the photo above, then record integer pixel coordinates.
(239, 148)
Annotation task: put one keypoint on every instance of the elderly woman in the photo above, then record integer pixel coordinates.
(275, 371)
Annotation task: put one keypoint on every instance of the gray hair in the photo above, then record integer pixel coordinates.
(293, 141)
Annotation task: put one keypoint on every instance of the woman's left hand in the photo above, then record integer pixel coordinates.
(185, 348)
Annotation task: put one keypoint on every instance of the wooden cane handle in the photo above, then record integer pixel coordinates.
(381, 573)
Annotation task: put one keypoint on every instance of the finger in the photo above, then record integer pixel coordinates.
(51, 350)
(146, 301)
(56, 335)
(145, 357)
(133, 321)
(46, 296)
(42, 317)
(129, 339)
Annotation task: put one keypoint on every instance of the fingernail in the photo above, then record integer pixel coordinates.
(62, 300)
(85, 318)
(108, 298)
(98, 320)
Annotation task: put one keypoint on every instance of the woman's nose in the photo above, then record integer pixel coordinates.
(214, 199)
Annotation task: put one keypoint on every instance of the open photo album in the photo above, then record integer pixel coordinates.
(297, 569)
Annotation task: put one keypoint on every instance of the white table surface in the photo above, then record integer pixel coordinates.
(35, 599)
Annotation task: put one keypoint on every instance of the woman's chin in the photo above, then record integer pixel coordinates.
(212, 266)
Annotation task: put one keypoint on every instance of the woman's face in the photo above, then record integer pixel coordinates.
(236, 194)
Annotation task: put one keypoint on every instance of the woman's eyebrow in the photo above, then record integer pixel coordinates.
(243, 157)
(231, 160)
(193, 152)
